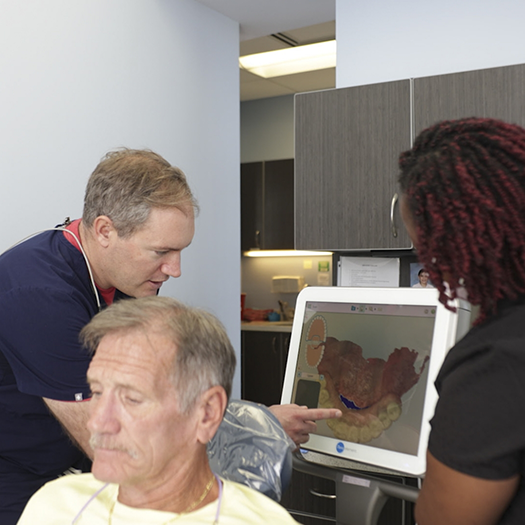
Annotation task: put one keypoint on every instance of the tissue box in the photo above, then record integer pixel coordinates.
(287, 283)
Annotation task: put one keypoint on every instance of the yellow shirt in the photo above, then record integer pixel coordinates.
(60, 502)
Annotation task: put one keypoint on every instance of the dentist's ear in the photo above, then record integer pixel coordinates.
(102, 230)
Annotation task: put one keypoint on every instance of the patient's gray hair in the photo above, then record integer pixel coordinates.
(204, 356)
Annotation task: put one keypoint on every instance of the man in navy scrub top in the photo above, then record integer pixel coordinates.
(138, 217)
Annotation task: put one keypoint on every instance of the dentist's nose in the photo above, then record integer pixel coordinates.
(171, 266)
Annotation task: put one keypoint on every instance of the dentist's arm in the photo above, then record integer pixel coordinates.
(299, 421)
(73, 417)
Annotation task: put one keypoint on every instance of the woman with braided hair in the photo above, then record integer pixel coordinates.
(463, 203)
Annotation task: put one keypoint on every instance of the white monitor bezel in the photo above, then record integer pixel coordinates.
(448, 328)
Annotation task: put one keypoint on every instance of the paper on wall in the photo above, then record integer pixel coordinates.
(368, 271)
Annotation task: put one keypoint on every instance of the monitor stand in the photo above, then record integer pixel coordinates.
(360, 497)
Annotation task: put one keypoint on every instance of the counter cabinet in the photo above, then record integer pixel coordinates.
(312, 501)
(263, 363)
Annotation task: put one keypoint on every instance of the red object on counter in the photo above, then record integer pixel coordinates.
(243, 300)
(254, 314)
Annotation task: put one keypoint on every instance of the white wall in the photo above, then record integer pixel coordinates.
(381, 40)
(80, 78)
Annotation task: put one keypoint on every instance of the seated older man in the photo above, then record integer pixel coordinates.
(160, 379)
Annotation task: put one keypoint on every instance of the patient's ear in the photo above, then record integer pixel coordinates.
(212, 405)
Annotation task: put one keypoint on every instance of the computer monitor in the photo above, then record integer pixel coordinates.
(375, 354)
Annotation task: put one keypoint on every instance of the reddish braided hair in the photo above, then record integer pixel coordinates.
(464, 184)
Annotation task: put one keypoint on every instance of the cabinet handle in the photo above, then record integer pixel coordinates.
(257, 239)
(274, 345)
(319, 495)
(392, 208)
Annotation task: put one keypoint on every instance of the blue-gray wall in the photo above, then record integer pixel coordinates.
(382, 40)
(80, 78)
(267, 129)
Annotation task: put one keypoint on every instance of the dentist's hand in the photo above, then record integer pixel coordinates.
(299, 421)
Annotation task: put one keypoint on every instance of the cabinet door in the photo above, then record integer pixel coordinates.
(310, 499)
(267, 205)
(251, 205)
(347, 145)
(495, 93)
(263, 356)
(279, 204)
(285, 346)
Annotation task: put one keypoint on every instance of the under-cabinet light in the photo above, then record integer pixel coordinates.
(289, 61)
(284, 253)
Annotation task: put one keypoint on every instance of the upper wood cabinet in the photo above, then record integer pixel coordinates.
(495, 93)
(267, 204)
(347, 142)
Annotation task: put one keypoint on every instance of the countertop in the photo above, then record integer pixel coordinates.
(266, 326)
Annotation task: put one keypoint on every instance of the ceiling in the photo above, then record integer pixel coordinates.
(264, 17)
(255, 87)
(266, 25)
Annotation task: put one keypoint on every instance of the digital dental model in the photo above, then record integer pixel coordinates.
(367, 391)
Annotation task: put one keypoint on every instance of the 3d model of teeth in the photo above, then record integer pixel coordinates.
(315, 340)
(368, 391)
(359, 426)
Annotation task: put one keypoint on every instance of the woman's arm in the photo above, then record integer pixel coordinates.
(450, 497)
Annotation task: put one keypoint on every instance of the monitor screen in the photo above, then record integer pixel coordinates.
(373, 353)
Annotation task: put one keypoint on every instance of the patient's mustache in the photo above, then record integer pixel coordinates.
(106, 442)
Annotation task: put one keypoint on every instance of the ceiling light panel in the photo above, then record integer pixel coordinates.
(292, 60)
